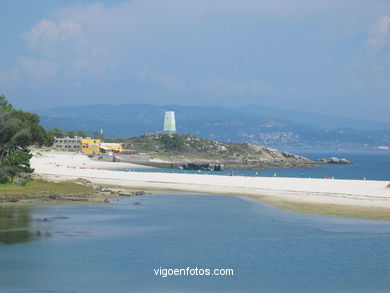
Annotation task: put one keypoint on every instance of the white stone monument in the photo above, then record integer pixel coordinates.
(169, 122)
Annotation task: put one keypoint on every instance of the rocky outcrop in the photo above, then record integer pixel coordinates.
(295, 157)
(333, 160)
(276, 164)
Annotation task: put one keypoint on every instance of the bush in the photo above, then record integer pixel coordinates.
(172, 142)
(15, 165)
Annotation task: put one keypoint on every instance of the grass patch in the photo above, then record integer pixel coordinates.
(332, 210)
(42, 189)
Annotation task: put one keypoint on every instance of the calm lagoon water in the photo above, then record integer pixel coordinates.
(114, 248)
(370, 164)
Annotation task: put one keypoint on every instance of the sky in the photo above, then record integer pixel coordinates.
(318, 56)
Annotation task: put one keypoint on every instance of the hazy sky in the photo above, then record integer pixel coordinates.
(328, 56)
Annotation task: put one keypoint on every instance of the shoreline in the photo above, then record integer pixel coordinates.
(331, 191)
(333, 197)
(113, 192)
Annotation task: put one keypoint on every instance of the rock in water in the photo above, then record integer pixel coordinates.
(333, 160)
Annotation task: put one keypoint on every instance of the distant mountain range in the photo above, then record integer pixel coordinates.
(255, 124)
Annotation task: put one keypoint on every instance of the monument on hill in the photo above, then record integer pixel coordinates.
(169, 122)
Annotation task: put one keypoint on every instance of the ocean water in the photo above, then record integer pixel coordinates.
(371, 165)
(116, 247)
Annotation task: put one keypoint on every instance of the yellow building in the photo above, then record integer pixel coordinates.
(110, 147)
(90, 146)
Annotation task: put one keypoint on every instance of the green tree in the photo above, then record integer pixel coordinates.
(4, 104)
(18, 131)
(81, 133)
(71, 133)
(16, 163)
(56, 132)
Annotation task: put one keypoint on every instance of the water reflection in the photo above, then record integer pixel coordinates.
(18, 226)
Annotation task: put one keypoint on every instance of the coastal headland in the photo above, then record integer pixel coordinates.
(349, 198)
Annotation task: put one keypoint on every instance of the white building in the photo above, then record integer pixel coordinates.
(72, 144)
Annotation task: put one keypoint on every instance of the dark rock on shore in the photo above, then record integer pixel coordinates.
(139, 193)
(206, 166)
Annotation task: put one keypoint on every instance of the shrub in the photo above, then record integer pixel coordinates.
(15, 165)
(172, 142)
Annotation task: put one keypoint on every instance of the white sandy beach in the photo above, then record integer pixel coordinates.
(75, 160)
(70, 166)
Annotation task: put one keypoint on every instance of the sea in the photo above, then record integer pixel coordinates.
(118, 248)
(135, 244)
(366, 165)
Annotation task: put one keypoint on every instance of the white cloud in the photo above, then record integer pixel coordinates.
(381, 27)
(62, 48)
(378, 47)
(379, 33)
(100, 41)
(46, 33)
(286, 44)
(370, 66)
